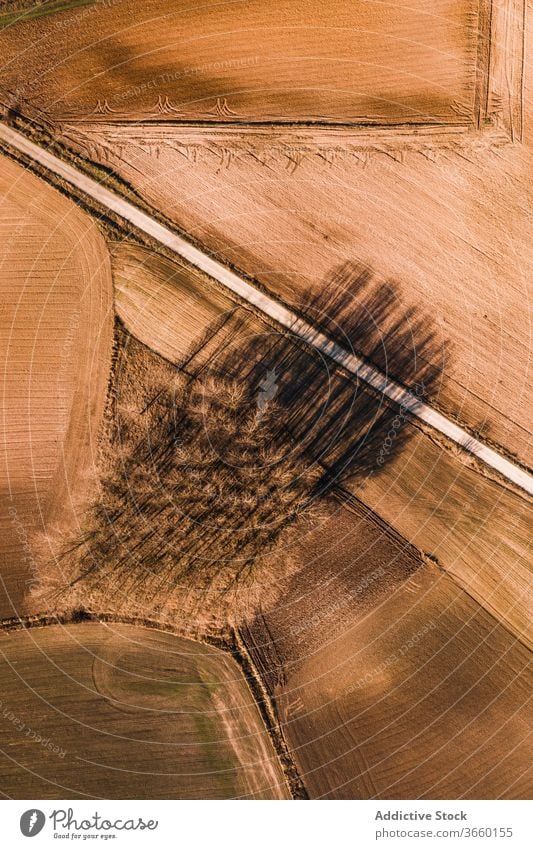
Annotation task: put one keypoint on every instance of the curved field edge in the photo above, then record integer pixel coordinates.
(119, 183)
(228, 642)
(56, 331)
(429, 478)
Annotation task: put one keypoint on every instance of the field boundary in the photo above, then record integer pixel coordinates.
(228, 642)
(251, 294)
(494, 117)
(496, 112)
(270, 718)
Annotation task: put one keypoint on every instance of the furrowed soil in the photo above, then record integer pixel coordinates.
(55, 355)
(412, 62)
(292, 218)
(367, 607)
(446, 224)
(420, 695)
(397, 656)
(476, 528)
(448, 246)
(165, 305)
(118, 711)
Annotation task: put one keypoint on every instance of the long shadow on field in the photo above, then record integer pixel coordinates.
(223, 463)
(333, 420)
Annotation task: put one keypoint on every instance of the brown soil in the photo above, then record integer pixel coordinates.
(477, 529)
(349, 564)
(445, 509)
(55, 353)
(163, 304)
(449, 232)
(423, 696)
(115, 711)
(397, 670)
(346, 61)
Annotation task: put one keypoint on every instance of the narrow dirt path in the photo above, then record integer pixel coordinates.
(270, 307)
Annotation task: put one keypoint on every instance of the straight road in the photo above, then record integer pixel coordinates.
(269, 306)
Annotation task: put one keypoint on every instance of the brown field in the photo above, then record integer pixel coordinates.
(421, 695)
(350, 563)
(477, 528)
(168, 485)
(358, 577)
(374, 149)
(448, 233)
(134, 713)
(474, 526)
(411, 62)
(164, 305)
(444, 217)
(55, 352)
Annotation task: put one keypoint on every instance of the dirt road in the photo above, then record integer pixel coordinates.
(269, 306)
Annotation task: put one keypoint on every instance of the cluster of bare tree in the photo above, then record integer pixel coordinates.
(197, 508)
(190, 513)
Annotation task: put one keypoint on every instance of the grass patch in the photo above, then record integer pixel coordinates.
(40, 10)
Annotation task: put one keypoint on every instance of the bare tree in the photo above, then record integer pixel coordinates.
(190, 513)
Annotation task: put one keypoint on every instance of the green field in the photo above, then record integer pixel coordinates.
(120, 711)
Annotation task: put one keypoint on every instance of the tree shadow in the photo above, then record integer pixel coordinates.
(335, 420)
(240, 441)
